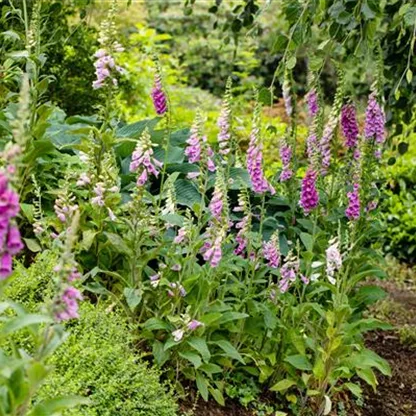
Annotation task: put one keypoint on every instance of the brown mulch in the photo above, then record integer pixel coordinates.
(395, 395)
(211, 408)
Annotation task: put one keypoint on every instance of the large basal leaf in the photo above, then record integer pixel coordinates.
(200, 345)
(175, 154)
(187, 193)
(229, 349)
(134, 130)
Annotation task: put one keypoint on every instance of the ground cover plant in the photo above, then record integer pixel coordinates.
(174, 241)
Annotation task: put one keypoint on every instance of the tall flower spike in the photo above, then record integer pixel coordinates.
(271, 251)
(142, 161)
(170, 204)
(286, 156)
(106, 69)
(10, 239)
(194, 143)
(333, 260)
(312, 100)
(325, 143)
(255, 157)
(219, 198)
(374, 120)
(288, 272)
(309, 197)
(158, 93)
(224, 134)
(349, 125)
(244, 225)
(198, 150)
(286, 96)
(354, 205)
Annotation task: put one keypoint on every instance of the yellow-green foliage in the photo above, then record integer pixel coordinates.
(97, 360)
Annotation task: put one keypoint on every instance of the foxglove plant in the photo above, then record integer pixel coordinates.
(349, 125)
(255, 157)
(271, 251)
(158, 95)
(333, 260)
(325, 142)
(106, 69)
(143, 163)
(285, 156)
(10, 240)
(309, 197)
(312, 100)
(354, 206)
(224, 134)
(244, 225)
(374, 120)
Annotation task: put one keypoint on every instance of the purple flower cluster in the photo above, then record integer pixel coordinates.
(212, 248)
(312, 100)
(288, 273)
(353, 209)
(241, 237)
(349, 125)
(216, 204)
(309, 197)
(286, 156)
(10, 240)
(68, 304)
(197, 148)
(224, 134)
(254, 164)
(159, 96)
(142, 160)
(105, 67)
(325, 144)
(271, 252)
(374, 120)
(311, 145)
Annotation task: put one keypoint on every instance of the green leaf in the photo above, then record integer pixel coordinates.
(210, 368)
(187, 193)
(217, 395)
(133, 297)
(32, 245)
(229, 350)
(409, 76)
(50, 407)
(202, 384)
(307, 241)
(355, 389)
(194, 358)
(210, 318)
(154, 324)
(87, 239)
(232, 316)
(299, 361)
(283, 385)
(367, 374)
(117, 243)
(20, 322)
(161, 356)
(369, 294)
(291, 62)
(201, 346)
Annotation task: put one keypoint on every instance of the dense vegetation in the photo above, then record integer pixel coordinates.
(192, 204)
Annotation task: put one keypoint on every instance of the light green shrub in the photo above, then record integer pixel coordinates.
(97, 360)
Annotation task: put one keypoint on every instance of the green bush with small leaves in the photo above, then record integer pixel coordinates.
(96, 360)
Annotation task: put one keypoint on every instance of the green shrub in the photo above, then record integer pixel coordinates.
(96, 360)
(400, 206)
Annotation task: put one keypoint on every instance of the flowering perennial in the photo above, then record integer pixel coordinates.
(159, 96)
(333, 260)
(255, 158)
(10, 240)
(288, 273)
(349, 125)
(224, 134)
(374, 120)
(353, 209)
(309, 197)
(271, 251)
(312, 100)
(286, 156)
(142, 160)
